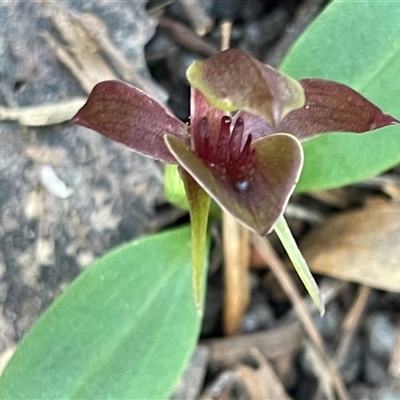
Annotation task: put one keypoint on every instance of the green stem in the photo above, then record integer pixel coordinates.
(285, 235)
(199, 206)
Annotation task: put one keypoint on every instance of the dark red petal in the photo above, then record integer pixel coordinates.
(259, 198)
(233, 80)
(201, 139)
(333, 107)
(222, 148)
(200, 108)
(257, 127)
(127, 115)
(235, 142)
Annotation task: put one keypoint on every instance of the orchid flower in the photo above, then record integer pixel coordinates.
(248, 162)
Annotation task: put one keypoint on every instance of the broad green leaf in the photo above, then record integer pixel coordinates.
(354, 43)
(338, 159)
(233, 80)
(125, 329)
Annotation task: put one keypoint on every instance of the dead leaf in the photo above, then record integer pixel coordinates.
(262, 382)
(359, 246)
(183, 35)
(320, 369)
(198, 16)
(273, 343)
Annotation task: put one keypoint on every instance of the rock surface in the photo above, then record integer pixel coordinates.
(46, 241)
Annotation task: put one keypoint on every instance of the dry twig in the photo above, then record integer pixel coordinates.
(273, 343)
(266, 250)
(44, 114)
(198, 16)
(349, 328)
(184, 36)
(394, 366)
(351, 324)
(262, 382)
(236, 276)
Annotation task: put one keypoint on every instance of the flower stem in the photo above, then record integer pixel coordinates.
(285, 236)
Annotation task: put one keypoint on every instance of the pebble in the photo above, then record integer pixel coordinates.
(381, 335)
(186, 59)
(231, 10)
(239, 10)
(387, 392)
(360, 391)
(259, 316)
(374, 369)
(259, 33)
(351, 368)
(330, 323)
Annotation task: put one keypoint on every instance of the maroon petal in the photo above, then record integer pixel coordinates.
(127, 115)
(200, 108)
(259, 196)
(233, 80)
(257, 126)
(333, 107)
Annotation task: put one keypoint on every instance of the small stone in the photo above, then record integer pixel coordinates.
(387, 391)
(228, 10)
(360, 391)
(161, 46)
(381, 335)
(374, 370)
(264, 31)
(330, 323)
(187, 59)
(259, 316)
(351, 368)
(253, 9)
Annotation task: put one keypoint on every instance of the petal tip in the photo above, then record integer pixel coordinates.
(384, 120)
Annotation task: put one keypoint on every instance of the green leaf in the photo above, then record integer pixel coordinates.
(124, 329)
(350, 44)
(338, 159)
